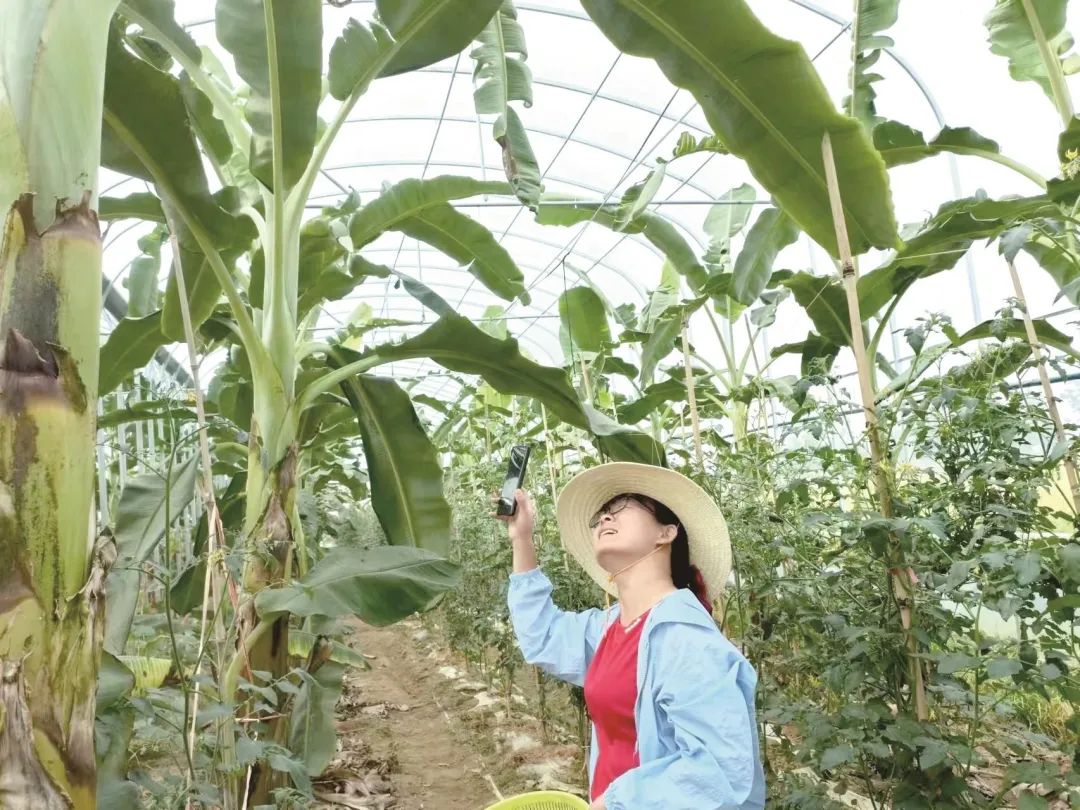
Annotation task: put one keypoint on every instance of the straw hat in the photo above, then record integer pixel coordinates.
(706, 530)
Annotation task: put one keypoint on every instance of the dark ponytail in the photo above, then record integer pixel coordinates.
(684, 574)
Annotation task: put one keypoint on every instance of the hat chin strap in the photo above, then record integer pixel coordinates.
(611, 577)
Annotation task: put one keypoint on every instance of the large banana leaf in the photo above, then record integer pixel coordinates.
(1035, 47)
(312, 734)
(140, 525)
(406, 479)
(431, 30)
(283, 106)
(825, 302)
(761, 95)
(771, 232)
(871, 18)
(379, 585)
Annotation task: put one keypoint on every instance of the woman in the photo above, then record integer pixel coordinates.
(671, 699)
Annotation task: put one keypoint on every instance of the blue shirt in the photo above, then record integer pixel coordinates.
(697, 735)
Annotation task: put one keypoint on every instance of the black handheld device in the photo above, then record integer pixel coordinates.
(515, 474)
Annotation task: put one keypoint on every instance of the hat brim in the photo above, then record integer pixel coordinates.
(706, 529)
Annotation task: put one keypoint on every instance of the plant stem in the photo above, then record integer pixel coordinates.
(1060, 90)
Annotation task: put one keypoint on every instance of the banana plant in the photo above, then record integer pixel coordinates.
(52, 67)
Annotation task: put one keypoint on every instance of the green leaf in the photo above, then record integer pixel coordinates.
(762, 97)
(351, 56)
(660, 343)
(1003, 668)
(871, 18)
(160, 16)
(186, 593)
(1046, 332)
(825, 302)
(835, 756)
(501, 74)
(900, 144)
(519, 161)
(818, 353)
(471, 245)
(1012, 35)
(1027, 568)
(940, 244)
(129, 347)
(659, 231)
(1029, 801)
(312, 734)
(584, 322)
(147, 134)
(1070, 561)
(379, 585)
(429, 31)
(140, 525)
(456, 343)
(771, 232)
(411, 197)
(419, 209)
(142, 280)
(725, 219)
(404, 470)
(637, 197)
(1059, 262)
(291, 107)
(141, 205)
(949, 663)
(114, 681)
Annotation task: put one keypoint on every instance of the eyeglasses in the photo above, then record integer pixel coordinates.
(613, 507)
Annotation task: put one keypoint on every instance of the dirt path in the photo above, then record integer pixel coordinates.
(418, 733)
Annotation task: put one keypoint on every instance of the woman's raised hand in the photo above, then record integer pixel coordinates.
(522, 523)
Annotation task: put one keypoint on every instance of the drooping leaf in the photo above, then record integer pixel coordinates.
(584, 324)
(1013, 35)
(158, 19)
(312, 734)
(637, 198)
(289, 105)
(519, 161)
(817, 353)
(428, 31)
(456, 343)
(1001, 328)
(141, 522)
(129, 347)
(659, 231)
(142, 280)
(379, 585)
(1059, 262)
(660, 342)
(771, 232)
(402, 465)
(764, 100)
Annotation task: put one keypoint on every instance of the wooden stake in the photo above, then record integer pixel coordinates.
(901, 578)
(691, 395)
(1048, 392)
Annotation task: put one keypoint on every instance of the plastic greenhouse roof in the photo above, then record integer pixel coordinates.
(599, 121)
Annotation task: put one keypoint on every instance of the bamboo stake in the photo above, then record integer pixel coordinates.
(691, 395)
(550, 459)
(901, 578)
(1048, 392)
(212, 584)
(586, 381)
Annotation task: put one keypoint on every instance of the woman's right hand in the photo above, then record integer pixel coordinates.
(522, 523)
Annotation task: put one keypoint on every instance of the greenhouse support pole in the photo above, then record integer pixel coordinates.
(1048, 392)
(901, 577)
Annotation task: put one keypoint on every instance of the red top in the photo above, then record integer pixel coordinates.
(610, 695)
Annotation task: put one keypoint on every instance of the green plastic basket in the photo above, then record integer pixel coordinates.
(542, 800)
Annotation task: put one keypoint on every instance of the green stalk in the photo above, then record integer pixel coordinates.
(1062, 97)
